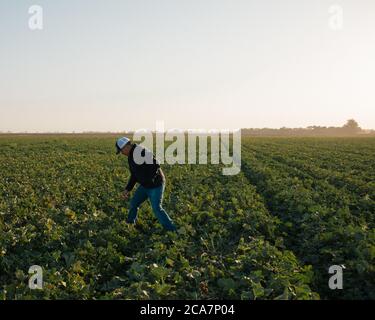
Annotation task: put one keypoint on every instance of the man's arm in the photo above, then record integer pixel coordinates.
(132, 181)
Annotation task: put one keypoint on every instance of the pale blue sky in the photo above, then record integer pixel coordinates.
(117, 65)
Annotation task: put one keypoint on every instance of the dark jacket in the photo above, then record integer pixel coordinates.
(149, 175)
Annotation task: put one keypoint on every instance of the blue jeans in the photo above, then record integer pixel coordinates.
(156, 198)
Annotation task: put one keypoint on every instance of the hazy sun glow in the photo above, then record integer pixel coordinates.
(117, 65)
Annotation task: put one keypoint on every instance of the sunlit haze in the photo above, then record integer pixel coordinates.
(123, 65)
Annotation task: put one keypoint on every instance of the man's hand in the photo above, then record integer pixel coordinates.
(126, 195)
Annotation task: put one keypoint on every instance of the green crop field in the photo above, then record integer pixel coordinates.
(299, 206)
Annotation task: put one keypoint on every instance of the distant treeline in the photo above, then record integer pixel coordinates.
(351, 128)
